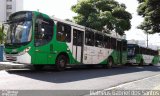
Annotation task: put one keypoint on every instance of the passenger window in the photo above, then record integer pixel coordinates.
(124, 45)
(98, 40)
(119, 45)
(43, 31)
(89, 38)
(137, 50)
(63, 32)
(77, 37)
(106, 42)
(113, 43)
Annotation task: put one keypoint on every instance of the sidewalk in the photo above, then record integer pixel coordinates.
(10, 65)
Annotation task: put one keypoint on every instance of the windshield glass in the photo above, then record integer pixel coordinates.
(19, 32)
(131, 51)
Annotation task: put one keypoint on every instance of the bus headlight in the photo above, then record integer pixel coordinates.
(24, 51)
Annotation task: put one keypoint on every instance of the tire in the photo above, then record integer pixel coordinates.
(38, 67)
(110, 63)
(141, 63)
(61, 62)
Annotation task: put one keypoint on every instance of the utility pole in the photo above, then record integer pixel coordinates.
(147, 40)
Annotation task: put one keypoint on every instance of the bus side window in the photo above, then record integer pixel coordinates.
(63, 32)
(119, 45)
(140, 49)
(124, 43)
(89, 38)
(77, 37)
(136, 50)
(99, 40)
(43, 31)
(106, 42)
(113, 43)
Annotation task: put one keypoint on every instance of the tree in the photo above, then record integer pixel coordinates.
(102, 15)
(150, 10)
(2, 35)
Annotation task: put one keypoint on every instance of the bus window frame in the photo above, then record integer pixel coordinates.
(66, 26)
(38, 22)
(87, 34)
(100, 38)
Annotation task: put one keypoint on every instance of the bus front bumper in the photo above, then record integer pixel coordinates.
(20, 59)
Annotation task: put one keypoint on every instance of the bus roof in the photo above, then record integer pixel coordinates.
(87, 28)
(113, 34)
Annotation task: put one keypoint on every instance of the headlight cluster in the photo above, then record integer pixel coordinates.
(24, 51)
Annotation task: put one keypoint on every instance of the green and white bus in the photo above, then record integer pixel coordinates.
(37, 39)
(142, 55)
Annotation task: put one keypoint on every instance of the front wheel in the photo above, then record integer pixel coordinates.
(61, 62)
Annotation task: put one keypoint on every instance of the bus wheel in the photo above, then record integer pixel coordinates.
(110, 63)
(141, 63)
(61, 62)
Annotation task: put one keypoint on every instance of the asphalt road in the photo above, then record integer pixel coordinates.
(74, 78)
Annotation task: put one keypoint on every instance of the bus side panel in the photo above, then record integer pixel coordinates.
(147, 58)
(155, 60)
(124, 57)
(114, 56)
(138, 58)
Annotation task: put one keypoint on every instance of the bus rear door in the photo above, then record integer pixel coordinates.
(78, 36)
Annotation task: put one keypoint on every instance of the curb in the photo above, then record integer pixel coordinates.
(6, 66)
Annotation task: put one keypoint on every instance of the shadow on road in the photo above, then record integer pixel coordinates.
(77, 74)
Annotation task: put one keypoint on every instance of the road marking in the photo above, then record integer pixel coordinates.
(130, 82)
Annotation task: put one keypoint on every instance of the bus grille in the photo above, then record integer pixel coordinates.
(10, 58)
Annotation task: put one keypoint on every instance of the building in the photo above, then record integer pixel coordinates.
(8, 7)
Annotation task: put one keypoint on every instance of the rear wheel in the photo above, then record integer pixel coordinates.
(61, 62)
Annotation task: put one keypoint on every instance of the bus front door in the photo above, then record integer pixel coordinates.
(78, 45)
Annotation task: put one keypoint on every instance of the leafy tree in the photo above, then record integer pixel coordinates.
(150, 10)
(102, 15)
(2, 35)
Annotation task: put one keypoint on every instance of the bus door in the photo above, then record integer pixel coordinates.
(121, 51)
(42, 40)
(78, 36)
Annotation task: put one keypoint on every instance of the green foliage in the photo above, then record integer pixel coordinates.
(102, 15)
(2, 35)
(150, 10)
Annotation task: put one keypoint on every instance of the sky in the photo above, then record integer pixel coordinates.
(62, 10)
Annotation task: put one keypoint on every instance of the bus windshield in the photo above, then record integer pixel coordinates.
(131, 51)
(19, 32)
